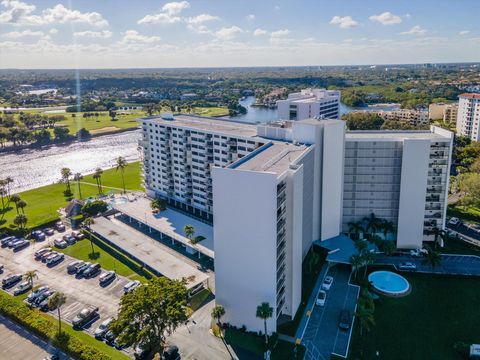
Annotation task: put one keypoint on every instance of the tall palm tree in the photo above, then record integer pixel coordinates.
(20, 220)
(368, 259)
(56, 301)
(21, 204)
(432, 258)
(217, 312)
(373, 223)
(356, 262)
(121, 165)
(66, 173)
(98, 178)
(15, 198)
(8, 181)
(189, 231)
(78, 177)
(264, 312)
(387, 227)
(355, 228)
(30, 276)
(365, 316)
(438, 234)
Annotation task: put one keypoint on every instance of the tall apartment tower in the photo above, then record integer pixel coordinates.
(468, 117)
(309, 104)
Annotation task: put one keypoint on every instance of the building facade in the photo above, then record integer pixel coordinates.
(468, 117)
(310, 103)
(446, 112)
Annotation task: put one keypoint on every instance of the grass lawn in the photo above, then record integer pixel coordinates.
(125, 119)
(43, 202)
(426, 324)
(471, 214)
(453, 246)
(210, 111)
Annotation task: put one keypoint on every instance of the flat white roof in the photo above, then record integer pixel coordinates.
(170, 223)
(393, 135)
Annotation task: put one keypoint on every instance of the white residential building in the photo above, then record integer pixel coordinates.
(271, 190)
(310, 103)
(468, 117)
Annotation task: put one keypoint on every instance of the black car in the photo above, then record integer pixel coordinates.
(170, 353)
(20, 245)
(92, 271)
(69, 239)
(84, 317)
(36, 293)
(107, 278)
(11, 280)
(38, 235)
(6, 240)
(42, 297)
(12, 242)
(82, 268)
(1, 268)
(110, 337)
(345, 320)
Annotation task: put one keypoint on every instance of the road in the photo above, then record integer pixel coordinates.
(18, 343)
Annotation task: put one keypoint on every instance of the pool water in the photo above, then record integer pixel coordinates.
(389, 283)
(119, 200)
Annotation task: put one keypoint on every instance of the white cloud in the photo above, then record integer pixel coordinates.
(133, 36)
(19, 13)
(276, 8)
(386, 18)
(199, 19)
(344, 22)
(227, 33)
(408, 16)
(250, 17)
(259, 32)
(21, 34)
(280, 33)
(53, 31)
(105, 34)
(464, 32)
(280, 37)
(169, 14)
(416, 30)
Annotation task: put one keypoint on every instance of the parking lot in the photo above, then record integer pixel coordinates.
(80, 292)
(322, 336)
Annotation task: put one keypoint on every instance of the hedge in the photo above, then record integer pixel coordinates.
(34, 321)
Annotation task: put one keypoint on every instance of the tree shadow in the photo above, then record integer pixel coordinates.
(6, 209)
(94, 255)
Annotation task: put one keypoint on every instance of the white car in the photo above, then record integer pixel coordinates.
(327, 283)
(132, 285)
(407, 266)
(454, 221)
(418, 252)
(321, 298)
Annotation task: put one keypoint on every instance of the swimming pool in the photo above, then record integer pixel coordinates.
(389, 283)
(119, 200)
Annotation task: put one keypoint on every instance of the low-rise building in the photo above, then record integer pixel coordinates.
(310, 103)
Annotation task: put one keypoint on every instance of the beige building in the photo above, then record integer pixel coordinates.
(413, 117)
(441, 111)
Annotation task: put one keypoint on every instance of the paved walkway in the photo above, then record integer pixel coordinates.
(463, 265)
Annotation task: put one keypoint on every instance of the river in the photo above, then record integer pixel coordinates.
(32, 168)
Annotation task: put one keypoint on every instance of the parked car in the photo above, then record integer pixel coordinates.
(1, 268)
(39, 235)
(84, 317)
(454, 221)
(21, 245)
(44, 304)
(407, 266)
(36, 293)
(60, 243)
(4, 241)
(12, 242)
(327, 283)
(39, 253)
(49, 231)
(92, 271)
(52, 357)
(78, 235)
(321, 298)
(345, 320)
(42, 297)
(11, 280)
(107, 277)
(110, 337)
(81, 269)
(69, 239)
(45, 255)
(59, 226)
(170, 353)
(418, 252)
(22, 288)
(102, 329)
(74, 265)
(132, 285)
(55, 259)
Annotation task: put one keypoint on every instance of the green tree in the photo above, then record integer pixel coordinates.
(30, 276)
(15, 198)
(363, 121)
(189, 231)
(98, 178)
(20, 220)
(432, 258)
(93, 208)
(373, 224)
(121, 165)
(66, 173)
(78, 177)
(150, 313)
(364, 313)
(217, 312)
(355, 228)
(264, 312)
(56, 301)
(22, 204)
(158, 204)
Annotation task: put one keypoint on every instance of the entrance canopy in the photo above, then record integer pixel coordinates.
(340, 248)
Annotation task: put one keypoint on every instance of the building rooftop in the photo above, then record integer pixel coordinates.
(218, 125)
(275, 157)
(392, 134)
(470, 96)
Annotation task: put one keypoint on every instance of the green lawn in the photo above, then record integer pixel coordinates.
(471, 214)
(125, 119)
(43, 202)
(426, 324)
(211, 111)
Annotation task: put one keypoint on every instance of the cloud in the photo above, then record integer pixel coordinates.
(21, 34)
(199, 19)
(133, 36)
(280, 37)
(250, 17)
(344, 22)
(168, 15)
(280, 33)
(105, 34)
(416, 30)
(464, 32)
(53, 31)
(19, 13)
(386, 18)
(227, 33)
(259, 32)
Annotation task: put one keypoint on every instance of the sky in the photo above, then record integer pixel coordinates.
(223, 33)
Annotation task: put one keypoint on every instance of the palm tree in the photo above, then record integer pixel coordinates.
(20, 220)
(30, 276)
(356, 262)
(21, 204)
(365, 316)
(8, 181)
(432, 258)
(355, 228)
(438, 234)
(15, 198)
(217, 312)
(264, 312)
(368, 259)
(387, 227)
(56, 301)
(88, 221)
(77, 177)
(98, 178)
(373, 223)
(158, 204)
(121, 165)
(66, 173)
(189, 231)
(313, 260)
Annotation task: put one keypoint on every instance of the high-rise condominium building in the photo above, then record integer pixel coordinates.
(271, 190)
(468, 117)
(310, 103)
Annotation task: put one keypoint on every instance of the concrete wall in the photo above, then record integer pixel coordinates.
(412, 193)
(245, 230)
